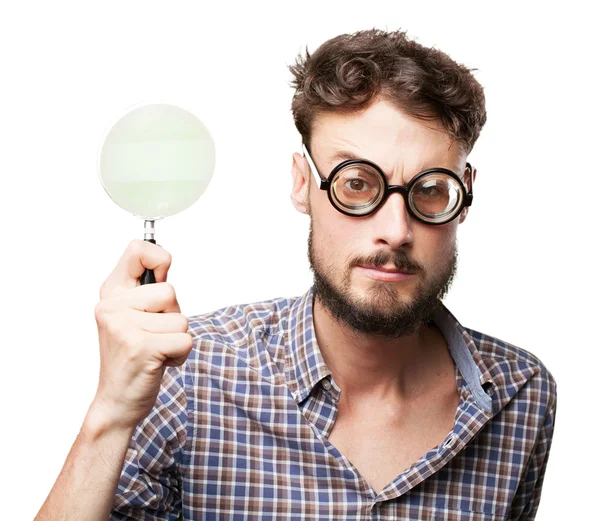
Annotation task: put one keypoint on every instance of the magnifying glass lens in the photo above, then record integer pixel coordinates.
(156, 161)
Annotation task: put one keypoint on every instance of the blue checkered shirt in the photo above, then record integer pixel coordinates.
(240, 431)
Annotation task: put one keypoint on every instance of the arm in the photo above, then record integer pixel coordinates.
(143, 338)
(125, 474)
(527, 499)
(85, 488)
(150, 485)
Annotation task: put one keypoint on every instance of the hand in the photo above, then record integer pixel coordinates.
(141, 331)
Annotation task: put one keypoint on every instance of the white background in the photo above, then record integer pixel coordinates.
(528, 263)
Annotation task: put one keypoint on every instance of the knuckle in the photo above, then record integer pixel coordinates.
(169, 291)
(190, 342)
(135, 245)
(135, 248)
(104, 291)
(185, 324)
(100, 311)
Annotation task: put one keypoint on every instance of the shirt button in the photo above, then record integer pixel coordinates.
(450, 441)
(326, 384)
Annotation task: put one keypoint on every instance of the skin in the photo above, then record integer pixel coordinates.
(387, 369)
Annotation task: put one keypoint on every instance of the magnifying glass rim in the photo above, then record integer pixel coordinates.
(122, 114)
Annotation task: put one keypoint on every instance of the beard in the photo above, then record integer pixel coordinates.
(382, 312)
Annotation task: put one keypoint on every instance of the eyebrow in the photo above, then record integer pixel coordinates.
(344, 155)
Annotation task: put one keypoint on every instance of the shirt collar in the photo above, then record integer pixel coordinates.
(466, 356)
(304, 363)
(305, 366)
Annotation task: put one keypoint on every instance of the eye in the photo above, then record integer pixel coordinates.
(357, 185)
(431, 191)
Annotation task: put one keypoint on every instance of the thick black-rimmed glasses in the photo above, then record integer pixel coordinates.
(358, 187)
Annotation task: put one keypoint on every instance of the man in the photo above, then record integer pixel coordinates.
(364, 396)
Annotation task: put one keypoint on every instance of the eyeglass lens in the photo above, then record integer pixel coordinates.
(359, 188)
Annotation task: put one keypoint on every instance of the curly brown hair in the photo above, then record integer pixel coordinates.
(349, 72)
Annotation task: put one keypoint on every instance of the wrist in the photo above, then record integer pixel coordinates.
(99, 422)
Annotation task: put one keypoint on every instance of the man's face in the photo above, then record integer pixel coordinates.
(340, 245)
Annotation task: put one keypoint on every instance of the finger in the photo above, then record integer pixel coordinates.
(151, 298)
(142, 255)
(171, 322)
(139, 256)
(175, 361)
(168, 345)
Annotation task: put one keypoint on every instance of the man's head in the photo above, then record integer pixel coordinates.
(381, 97)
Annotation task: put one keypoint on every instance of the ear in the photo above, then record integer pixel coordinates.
(301, 179)
(463, 214)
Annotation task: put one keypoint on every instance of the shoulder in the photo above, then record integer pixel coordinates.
(243, 336)
(232, 324)
(513, 366)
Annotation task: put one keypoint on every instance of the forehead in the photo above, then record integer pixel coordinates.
(400, 144)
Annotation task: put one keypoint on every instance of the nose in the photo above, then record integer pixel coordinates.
(392, 223)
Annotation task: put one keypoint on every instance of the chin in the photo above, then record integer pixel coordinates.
(381, 295)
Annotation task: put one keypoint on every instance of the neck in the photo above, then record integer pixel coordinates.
(372, 368)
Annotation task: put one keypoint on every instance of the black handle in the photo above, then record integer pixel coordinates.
(148, 275)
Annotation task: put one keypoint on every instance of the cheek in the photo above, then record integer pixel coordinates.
(333, 240)
(437, 244)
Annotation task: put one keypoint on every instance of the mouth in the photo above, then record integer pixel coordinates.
(388, 269)
(386, 273)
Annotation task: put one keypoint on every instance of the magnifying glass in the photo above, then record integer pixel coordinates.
(156, 161)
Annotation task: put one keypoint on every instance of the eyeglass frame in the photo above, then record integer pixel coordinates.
(404, 190)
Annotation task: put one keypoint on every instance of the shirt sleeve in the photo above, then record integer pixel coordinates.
(527, 499)
(150, 484)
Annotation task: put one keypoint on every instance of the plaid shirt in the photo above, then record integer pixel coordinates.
(240, 431)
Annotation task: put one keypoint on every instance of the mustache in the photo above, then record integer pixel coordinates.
(400, 260)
